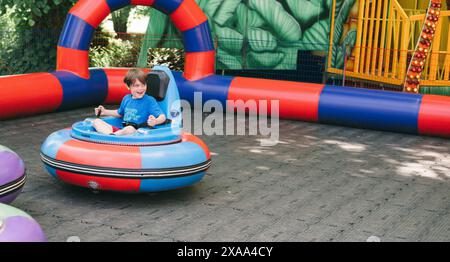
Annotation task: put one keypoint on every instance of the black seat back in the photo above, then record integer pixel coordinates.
(157, 84)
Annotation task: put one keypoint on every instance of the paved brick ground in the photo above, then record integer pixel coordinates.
(320, 183)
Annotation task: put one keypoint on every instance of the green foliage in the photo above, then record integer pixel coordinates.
(35, 28)
(115, 54)
(28, 13)
(7, 42)
(107, 50)
(171, 57)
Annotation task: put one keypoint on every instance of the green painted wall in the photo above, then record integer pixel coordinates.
(261, 34)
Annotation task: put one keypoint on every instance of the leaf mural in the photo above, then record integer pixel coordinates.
(153, 35)
(172, 38)
(261, 40)
(226, 11)
(316, 37)
(305, 11)
(264, 60)
(211, 7)
(230, 40)
(228, 61)
(202, 4)
(283, 25)
(340, 19)
(257, 33)
(247, 18)
(329, 5)
(289, 60)
(158, 24)
(345, 49)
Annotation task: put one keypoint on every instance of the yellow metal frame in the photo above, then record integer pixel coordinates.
(386, 35)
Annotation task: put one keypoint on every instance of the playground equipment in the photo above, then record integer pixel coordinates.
(398, 43)
(149, 160)
(12, 175)
(73, 85)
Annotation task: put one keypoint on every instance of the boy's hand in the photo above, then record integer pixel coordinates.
(151, 121)
(98, 110)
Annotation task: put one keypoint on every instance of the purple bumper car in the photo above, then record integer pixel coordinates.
(18, 226)
(12, 175)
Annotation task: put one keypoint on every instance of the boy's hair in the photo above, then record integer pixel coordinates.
(134, 74)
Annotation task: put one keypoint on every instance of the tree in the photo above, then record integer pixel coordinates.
(38, 24)
(120, 20)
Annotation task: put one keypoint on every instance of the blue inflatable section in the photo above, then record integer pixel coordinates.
(51, 146)
(198, 39)
(173, 155)
(154, 185)
(372, 109)
(117, 4)
(160, 134)
(213, 87)
(76, 33)
(171, 105)
(167, 6)
(79, 92)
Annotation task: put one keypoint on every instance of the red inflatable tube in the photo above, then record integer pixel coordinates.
(142, 2)
(93, 12)
(434, 116)
(297, 100)
(198, 65)
(29, 94)
(75, 61)
(188, 15)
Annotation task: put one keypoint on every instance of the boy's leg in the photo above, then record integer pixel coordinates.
(128, 130)
(102, 127)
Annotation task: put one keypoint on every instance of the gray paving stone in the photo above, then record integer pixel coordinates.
(319, 183)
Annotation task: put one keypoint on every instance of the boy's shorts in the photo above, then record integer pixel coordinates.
(115, 128)
(124, 124)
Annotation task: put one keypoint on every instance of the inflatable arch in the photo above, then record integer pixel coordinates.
(86, 15)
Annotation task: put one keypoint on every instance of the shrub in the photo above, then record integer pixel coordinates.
(117, 53)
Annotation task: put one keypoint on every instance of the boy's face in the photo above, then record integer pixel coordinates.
(138, 89)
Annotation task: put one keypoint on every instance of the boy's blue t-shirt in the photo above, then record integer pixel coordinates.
(138, 110)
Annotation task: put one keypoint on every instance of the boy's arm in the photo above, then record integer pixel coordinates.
(153, 121)
(108, 112)
(156, 110)
(113, 113)
(160, 119)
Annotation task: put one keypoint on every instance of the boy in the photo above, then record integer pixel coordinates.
(136, 108)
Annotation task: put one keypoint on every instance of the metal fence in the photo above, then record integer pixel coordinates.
(123, 50)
